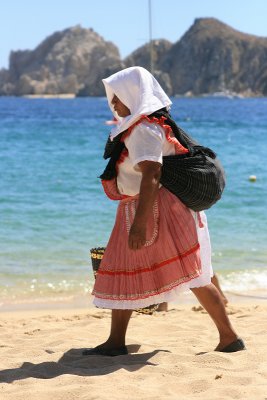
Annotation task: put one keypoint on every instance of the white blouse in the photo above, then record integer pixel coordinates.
(146, 142)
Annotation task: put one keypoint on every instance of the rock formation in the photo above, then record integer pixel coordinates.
(71, 61)
(213, 57)
(210, 57)
(149, 57)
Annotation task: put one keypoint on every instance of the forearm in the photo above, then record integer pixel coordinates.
(149, 187)
(148, 192)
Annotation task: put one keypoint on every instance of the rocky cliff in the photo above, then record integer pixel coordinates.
(213, 57)
(210, 57)
(149, 56)
(70, 61)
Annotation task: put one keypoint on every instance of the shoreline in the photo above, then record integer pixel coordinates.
(50, 96)
(86, 302)
(214, 95)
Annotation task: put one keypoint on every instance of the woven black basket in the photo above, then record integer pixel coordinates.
(96, 257)
(97, 254)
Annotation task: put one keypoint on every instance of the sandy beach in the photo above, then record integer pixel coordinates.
(170, 355)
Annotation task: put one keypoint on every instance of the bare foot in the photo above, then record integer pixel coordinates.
(163, 307)
(225, 300)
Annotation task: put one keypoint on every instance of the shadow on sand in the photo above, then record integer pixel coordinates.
(73, 362)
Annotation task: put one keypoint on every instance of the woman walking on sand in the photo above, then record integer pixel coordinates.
(158, 246)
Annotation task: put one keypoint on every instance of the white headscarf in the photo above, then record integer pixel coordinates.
(139, 91)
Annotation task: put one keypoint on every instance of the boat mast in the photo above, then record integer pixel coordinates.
(150, 38)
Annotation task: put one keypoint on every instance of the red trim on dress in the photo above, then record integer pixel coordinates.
(109, 187)
(154, 267)
(157, 292)
(123, 155)
(111, 190)
(159, 121)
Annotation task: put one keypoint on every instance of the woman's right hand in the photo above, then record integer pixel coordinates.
(151, 172)
(137, 236)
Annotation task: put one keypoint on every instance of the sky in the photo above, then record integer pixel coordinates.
(26, 23)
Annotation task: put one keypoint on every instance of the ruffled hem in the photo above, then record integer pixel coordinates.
(168, 296)
(176, 258)
(111, 189)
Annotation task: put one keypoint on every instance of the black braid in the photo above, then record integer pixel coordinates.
(114, 148)
(110, 170)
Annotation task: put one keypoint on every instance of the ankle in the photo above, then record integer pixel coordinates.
(228, 338)
(115, 343)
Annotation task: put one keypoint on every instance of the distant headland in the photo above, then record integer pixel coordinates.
(211, 57)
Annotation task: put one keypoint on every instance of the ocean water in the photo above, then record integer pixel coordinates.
(53, 209)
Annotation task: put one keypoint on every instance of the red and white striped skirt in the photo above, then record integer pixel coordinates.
(176, 256)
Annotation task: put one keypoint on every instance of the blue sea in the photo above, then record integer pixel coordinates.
(53, 209)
